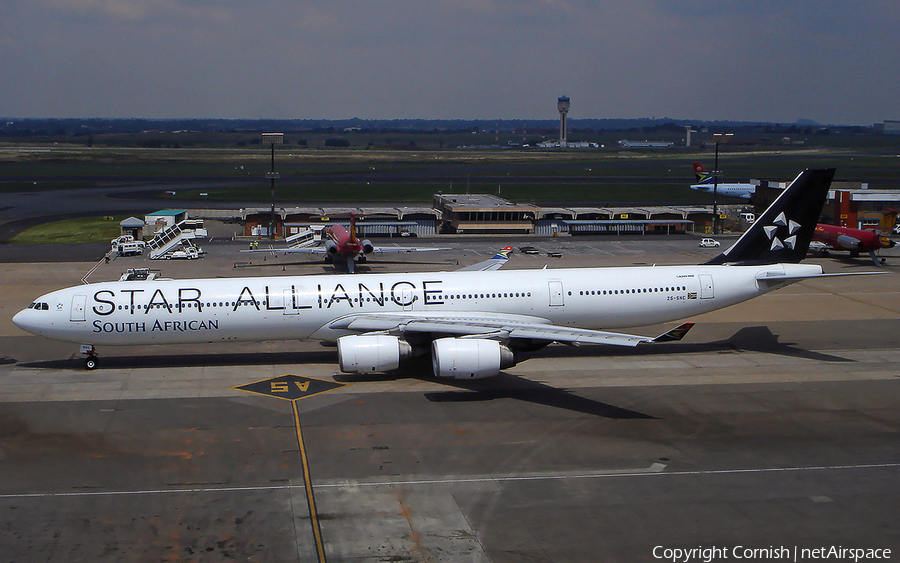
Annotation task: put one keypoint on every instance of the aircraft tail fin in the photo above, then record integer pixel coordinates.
(700, 173)
(784, 230)
(353, 227)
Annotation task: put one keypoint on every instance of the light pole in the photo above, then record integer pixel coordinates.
(272, 139)
(719, 138)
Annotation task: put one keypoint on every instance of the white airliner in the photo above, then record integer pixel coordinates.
(473, 323)
(706, 183)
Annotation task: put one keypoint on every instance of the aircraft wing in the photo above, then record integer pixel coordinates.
(304, 250)
(322, 250)
(494, 263)
(390, 249)
(290, 250)
(494, 326)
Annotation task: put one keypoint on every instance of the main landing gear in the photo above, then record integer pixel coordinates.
(91, 361)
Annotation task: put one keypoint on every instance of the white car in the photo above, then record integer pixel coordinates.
(709, 243)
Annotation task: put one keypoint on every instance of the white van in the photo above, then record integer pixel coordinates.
(130, 248)
(747, 217)
(123, 239)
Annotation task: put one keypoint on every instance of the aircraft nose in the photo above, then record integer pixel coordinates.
(21, 320)
(27, 321)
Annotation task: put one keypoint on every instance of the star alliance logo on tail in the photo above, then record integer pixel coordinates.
(782, 223)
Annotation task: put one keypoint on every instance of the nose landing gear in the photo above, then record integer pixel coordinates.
(91, 361)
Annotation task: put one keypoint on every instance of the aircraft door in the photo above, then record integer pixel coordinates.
(706, 287)
(406, 298)
(289, 302)
(78, 304)
(556, 294)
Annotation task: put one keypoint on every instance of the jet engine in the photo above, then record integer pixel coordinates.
(331, 248)
(367, 246)
(369, 353)
(469, 358)
(848, 242)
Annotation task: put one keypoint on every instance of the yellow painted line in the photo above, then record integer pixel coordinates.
(310, 496)
(279, 385)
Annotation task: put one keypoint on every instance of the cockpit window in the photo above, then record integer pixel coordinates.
(39, 306)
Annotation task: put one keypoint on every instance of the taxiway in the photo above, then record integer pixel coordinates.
(775, 423)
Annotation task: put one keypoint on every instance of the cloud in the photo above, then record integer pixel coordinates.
(705, 59)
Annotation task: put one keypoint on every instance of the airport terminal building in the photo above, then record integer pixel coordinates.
(485, 214)
(470, 214)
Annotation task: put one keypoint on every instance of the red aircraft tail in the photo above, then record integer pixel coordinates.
(353, 227)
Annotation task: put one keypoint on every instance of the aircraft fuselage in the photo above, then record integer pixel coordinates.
(302, 307)
(854, 240)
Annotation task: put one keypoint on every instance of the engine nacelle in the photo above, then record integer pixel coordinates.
(848, 242)
(330, 247)
(367, 246)
(469, 358)
(369, 353)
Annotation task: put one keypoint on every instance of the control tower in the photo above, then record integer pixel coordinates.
(562, 104)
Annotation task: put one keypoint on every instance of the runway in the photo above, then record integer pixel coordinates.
(774, 424)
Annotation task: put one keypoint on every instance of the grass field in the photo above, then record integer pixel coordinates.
(360, 176)
(70, 231)
(309, 176)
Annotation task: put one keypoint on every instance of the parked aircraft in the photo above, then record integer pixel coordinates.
(706, 183)
(342, 245)
(473, 323)
(856, 241)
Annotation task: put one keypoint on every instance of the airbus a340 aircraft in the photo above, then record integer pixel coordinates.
(343, 245)
(473, 323)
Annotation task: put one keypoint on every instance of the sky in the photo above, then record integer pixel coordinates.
(831, 61)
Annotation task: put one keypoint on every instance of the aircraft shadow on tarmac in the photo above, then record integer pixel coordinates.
(502, 386)
(506, 386)
(191, 360)
(747, 339)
